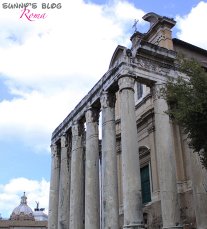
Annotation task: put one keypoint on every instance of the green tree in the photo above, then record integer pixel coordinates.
(187, 99)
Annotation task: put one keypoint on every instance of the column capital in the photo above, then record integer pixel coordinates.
(126, 82)
(63, 140)
(107, 99)
(54, 149)
(92, 115)
(157, 91)
(77, 128)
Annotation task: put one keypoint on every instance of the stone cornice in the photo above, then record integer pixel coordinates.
(156, 51)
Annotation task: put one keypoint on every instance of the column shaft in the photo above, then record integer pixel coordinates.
(199, 183)
(64, 187)
(77, 178)
(92, 196)
(54, 189)
(109, 164)
(154, 168)
(166, 163)
(132, 198)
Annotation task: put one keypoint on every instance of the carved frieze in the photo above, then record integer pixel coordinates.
(151, 65)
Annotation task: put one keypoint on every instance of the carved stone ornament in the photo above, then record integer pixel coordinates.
(152, 66)
(54, 150)
(92, 115)
(63, 140)
(126, 83)
(107, 99)
(77, 128)
(159, 38)
(157, 91)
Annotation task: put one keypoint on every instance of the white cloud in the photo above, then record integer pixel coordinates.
(32, 118)
(50, 64)
(10, 194)
(74, 35)
(192, 26)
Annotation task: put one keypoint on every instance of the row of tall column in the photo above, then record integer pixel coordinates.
(80, 208)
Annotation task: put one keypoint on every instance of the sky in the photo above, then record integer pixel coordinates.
(48, 64)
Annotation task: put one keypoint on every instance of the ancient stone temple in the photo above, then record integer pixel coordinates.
(139, 172)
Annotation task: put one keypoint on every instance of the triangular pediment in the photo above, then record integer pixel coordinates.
(117, 56)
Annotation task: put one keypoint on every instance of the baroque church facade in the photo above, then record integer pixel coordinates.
(139, 172)
(23, 217)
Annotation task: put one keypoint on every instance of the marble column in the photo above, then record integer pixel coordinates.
(153, 161)
(64, 187)
(77, 178)
(92, 195)
(54, 188)
(199, 184)
(110, 215)
(132, 197)
(166, 163)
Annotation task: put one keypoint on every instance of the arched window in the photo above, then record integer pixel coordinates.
(144, 155)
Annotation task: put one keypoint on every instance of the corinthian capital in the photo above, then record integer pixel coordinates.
(63, 140)
(157, 91)
(77, 128)
(126, 82)
(92, 115)
(54, 150)
(107, 99)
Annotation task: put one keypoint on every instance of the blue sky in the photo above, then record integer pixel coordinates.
(172, 8)
(48, 65)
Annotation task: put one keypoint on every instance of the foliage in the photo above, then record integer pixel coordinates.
(187, 99)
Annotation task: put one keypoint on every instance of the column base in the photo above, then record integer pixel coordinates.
(173, 227)
(134, 226)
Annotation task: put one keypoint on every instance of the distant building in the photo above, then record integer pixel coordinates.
(23, 217)
(39, 214)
